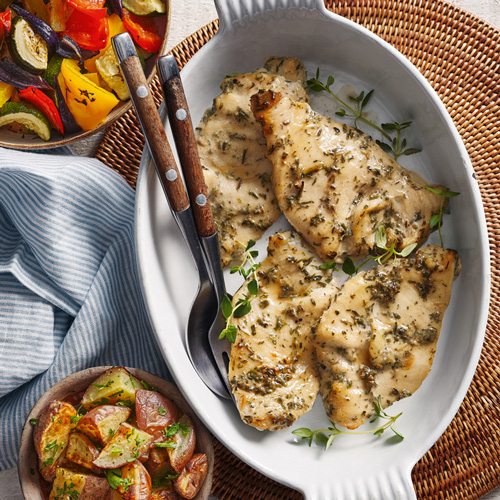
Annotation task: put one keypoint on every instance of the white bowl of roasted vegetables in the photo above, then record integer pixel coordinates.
(59, 77)
(114, 433)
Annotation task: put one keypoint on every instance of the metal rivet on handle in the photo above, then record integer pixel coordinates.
(201, 200)
(171, 175)
(181, 114)
(142, 91)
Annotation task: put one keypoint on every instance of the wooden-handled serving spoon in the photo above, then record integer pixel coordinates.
(193, 218)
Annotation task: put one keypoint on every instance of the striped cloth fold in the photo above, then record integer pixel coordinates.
(69, 291)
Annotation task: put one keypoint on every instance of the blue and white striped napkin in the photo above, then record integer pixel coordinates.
(69, 291)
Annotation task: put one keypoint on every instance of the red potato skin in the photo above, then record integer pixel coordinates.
(192, 476)
(154, 413)
(84, 485)
(89, 423)
(140, 489)
(99, 489)
(182, 453)
(158, 463)
(53, 424)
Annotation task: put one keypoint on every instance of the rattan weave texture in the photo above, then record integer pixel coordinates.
(460, 56)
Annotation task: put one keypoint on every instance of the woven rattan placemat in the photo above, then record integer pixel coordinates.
(460, 56)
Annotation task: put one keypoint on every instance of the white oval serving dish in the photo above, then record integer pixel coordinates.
(361, 467)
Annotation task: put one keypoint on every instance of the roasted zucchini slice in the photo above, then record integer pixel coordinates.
(145, 7)
(29, 118)
(27, 48)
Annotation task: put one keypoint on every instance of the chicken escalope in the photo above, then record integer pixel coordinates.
(232, 151)
(378, 336)
(336, 186)
(272, 369)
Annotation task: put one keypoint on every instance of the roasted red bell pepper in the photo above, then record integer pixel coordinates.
(45, 105)
(90, 33)
(143, 30)
(93, 8)
(5, 19)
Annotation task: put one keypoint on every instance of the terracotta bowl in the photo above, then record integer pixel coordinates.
(14, 140)
(71, 389)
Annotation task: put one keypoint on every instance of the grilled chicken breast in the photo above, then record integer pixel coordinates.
(232, 150)
(272, 367)
(335, 185)
(378, 337)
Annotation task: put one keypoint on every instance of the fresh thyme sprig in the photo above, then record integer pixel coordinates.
(350, 268)
(437, 219)
(396, 146)
(243, 305)
(326, 437)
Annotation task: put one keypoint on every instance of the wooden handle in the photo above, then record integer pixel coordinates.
(155, 135)
(185, 141)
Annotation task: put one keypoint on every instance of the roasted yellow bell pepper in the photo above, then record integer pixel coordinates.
(88, 103)
(115, 26)
(6, 92)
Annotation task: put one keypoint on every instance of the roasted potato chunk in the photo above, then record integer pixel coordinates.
(102, 422)
(51, 435)
(192, 476)
(154, 412)
(113, 386)
(127, 444)
(82, 451)
(69, 485)
(158, 463)
(164, 493)
(181, 440)
(136, 482)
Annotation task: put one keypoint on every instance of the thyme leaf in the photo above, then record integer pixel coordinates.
(397, 147)
(243, 306)
(325, 437)
(329, 265)
(437, 219)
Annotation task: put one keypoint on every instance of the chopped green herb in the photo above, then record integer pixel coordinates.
(104, 386)
(166, 444)
(147, 386)
(127, 403)
(115, 480)
(52, 446)
(65, 491)
(134, 383)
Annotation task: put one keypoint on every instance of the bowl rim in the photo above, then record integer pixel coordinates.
(29, 476)
(113, 115)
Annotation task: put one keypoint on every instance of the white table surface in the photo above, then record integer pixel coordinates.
(187, 17)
